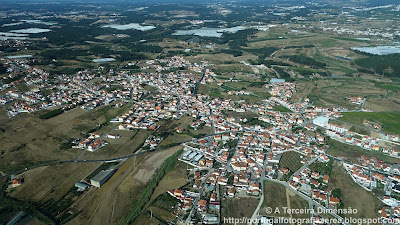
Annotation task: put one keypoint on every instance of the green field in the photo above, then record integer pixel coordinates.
(353, 153)
(274, 196)
(277, 196)
(390, 121)
(353, 195)
(281, 108)
(291, 160)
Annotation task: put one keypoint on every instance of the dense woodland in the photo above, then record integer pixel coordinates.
(387, 65)
(303, 59)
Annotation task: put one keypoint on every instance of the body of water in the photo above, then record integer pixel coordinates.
(378, 50)
(209, 32)
(130, 26)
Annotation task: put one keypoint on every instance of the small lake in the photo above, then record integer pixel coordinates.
(130, 26)
(378, 50)
(31, 31)
(209, 32)
(103, 60)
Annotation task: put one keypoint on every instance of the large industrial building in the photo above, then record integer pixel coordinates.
(101, 177)
(321, 121)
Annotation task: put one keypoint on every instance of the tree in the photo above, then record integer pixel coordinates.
(336, 193)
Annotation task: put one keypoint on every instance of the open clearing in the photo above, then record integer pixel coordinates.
(353, 195)
(28, 140)
(390, 121)
(277, 196)
(62, 177)
(119, 194)
(238, 207)
(353, 153)
(172, 180)
(274, 197)
(291, 160)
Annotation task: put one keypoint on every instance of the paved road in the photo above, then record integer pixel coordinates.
(256, 212)
(309, 162)
(196, 201)
(75, 161)
(305, 197)
(100, 160)
(196, 86)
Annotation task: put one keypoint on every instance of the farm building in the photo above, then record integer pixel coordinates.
(101, 177)
(81, 186)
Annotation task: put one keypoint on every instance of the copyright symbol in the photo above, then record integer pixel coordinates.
(268, 210)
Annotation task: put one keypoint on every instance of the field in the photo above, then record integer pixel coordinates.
(173, 179)
(127, 144)
(353, 195)
(277, 196)
(274, 197)
(238, 207)
(335, 92)
(112, 202)
(28, 140)
(281, 109)
(390, 121)
(183, 123)
(62, 177)
(161, 202)
(353, 153)
(175, 138)
(322, 168)
(291, 160)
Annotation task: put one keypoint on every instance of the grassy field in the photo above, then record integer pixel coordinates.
(27, 140)
(335, 92)
(62, 177)
(112, 202)
(175, 178)
(281, 109)
(161, 202)
(360, 130)
(291, 160)
(274, 197)
(389, 103)
(129, 143)
(353, 153)
(390, 120)
(297, 202)
(322, 168)
(175, 138)
(277, 196)
(353, 195)
(22, 87)
(55, 196)
(238, 207)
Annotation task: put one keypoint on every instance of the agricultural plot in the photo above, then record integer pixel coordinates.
(291, 160)
(238, 207)
(390, 121)
(353, 195)
(353, 153)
